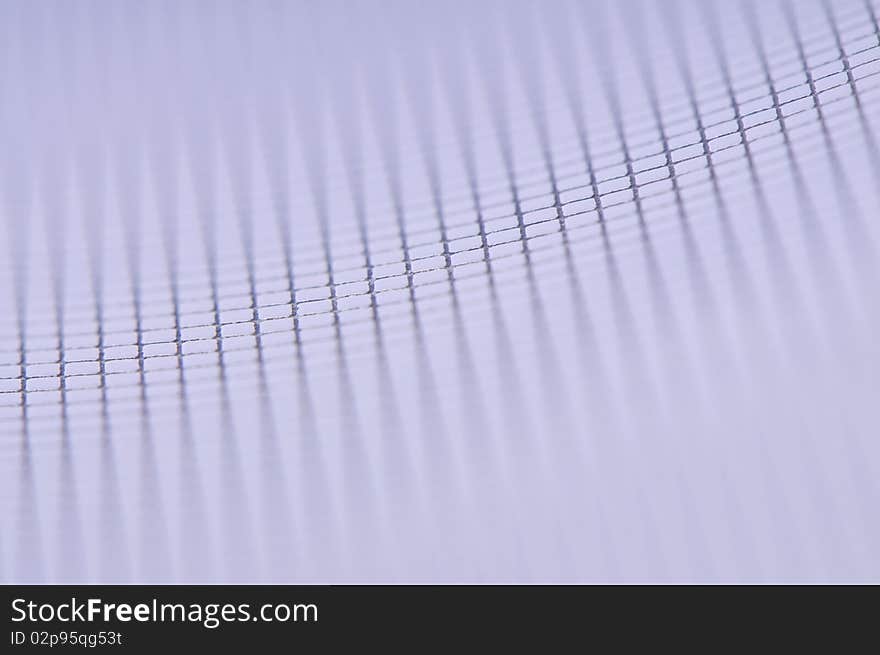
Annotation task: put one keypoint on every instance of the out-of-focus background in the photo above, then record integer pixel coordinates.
(439, 291)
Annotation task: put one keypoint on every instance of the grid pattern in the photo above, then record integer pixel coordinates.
(574, 207)
(257, 294)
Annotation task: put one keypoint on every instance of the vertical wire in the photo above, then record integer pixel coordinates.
(827, 279)
(384, 115)
(442, 465)
(858, 241)
(814, 237)
(70, 558)
(312, 484)
(402, 494)
(194, 531)
(777, 495)
(486, 458)
(358, 483)
(274, 503)
(523, 449)
(29, 549)
(716, 349)
(235, 519)
(153, 528)
(638, 378)
(531, 68)
(597, 445)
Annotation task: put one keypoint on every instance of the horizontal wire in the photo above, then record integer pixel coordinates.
(214, 382)
(722, 95)
(380, 278)
(331, 338)
(375, 234)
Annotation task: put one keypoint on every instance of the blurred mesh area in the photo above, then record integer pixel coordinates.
(439, 292)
